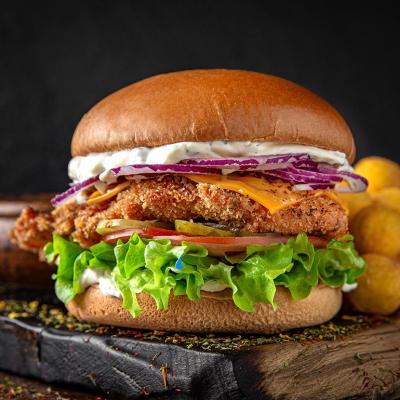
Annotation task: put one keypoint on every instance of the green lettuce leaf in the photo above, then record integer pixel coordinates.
(72, 260)
(157, 268)
(103, 256)
(64, 253)
(303, 275)
(339, 262)
(160, 269)
(255, 278)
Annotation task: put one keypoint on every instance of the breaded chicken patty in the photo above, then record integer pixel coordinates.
(175, 197)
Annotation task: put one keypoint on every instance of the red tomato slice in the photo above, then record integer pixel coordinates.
(122, 234)
(229, 240)
(216, 246)
(154, 231)
(318, 242)
(146, 232)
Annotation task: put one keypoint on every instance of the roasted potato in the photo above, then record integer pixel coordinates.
(376, 229)
(378, 290)
(380, 172)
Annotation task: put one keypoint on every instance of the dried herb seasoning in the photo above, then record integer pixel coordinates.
(58, 317)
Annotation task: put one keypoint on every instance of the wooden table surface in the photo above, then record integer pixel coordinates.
(16, 387)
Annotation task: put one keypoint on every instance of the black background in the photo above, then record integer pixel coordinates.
(57, 59)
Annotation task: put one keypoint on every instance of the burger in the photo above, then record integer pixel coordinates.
(203, 201)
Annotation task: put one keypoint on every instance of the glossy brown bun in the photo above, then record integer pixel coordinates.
(205, 105)
(214, 312)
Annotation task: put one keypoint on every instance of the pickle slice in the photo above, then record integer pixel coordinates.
(236, 231)
(106, 226)
(197, 229)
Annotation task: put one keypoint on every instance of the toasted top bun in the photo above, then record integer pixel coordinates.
(205, 105)
(214, 312)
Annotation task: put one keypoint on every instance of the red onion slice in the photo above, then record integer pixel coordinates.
(302, 176)
(357, 183)
(312, 186)
(250, 161)
(72, 191)
(151, 169)
(139, 170)
(299, 169)
(306, 164)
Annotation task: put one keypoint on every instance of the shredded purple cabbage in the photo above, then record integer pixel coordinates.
(298, 169)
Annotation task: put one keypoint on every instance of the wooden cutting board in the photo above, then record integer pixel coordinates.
(353, 357)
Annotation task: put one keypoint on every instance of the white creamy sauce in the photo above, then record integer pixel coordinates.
(349, 287)
(81, 197)
(106, 284)
(108, 287)
(81, 168)
(218, 286)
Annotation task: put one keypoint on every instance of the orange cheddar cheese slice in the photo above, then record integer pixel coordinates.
(274, 196)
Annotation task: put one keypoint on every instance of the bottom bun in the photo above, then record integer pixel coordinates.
(214, 312)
